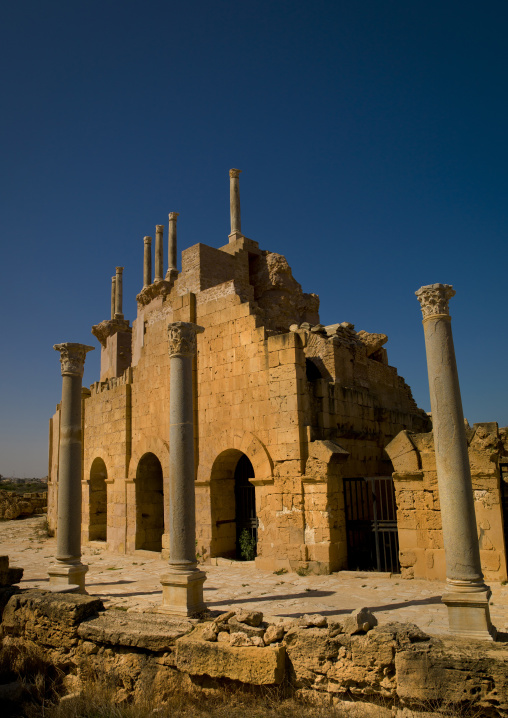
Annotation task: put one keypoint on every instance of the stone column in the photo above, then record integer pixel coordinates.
(172, 272)
(113, 296)
(182, 592)
(159, 253)
(467, 596)
(68, 574)
(234, 205)
(147, 262)
(118, 293)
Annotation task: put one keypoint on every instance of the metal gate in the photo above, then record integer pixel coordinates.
(371, 524)
(245, 501)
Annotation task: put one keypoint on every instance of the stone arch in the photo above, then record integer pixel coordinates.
(149, 445)
(97, 501)
(243, 443)
(149, 489)
(232, 502)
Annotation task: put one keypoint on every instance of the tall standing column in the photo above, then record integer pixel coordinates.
(183, 584)
(234, 205)
(467, 597)
(159, 253)
(147, 261)
(113, 296)
(172, 272)
(118, 293)
(68, 574)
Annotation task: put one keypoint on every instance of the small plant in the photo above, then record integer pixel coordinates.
(247, 546)
(280, 571)
(303, 570)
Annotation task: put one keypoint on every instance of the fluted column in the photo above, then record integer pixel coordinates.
(118, 293)
(467, 596)
(234, 205)
(68, 574)
(183, 584)
(172, 272)
(147, 261)
(113, 296)
(159, 253)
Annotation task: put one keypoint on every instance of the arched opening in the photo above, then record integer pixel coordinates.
(149, 504)
(98, 501)
(233, 507)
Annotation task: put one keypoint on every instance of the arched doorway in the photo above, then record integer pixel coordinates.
(149, 504)
(233, 507)
(98, 501)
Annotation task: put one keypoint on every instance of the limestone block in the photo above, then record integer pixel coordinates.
(147, 631)
(257, 666)
(403, 453)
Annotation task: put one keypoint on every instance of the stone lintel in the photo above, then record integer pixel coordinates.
(109, 327)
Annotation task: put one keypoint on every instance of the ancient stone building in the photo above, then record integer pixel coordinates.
(291, 417)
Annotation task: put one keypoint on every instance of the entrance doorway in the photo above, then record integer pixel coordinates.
(98, 501)
(371, 524)
(149, 504)
(245, 510)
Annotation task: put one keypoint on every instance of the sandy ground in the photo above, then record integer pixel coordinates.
(133, 582)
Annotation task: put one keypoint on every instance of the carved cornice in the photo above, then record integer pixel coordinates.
(109, 327)
(72, 358)
(161, 287)
(234, 174)
(182, 338)
(434, 299)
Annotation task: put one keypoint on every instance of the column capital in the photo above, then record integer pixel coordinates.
(147, 240)
(173, 216)
(234, 173)
(182, 338)
(159, 228)
(434, 298)
(72, 357)
(119, 270)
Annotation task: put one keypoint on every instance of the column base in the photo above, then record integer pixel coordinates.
(171, 275)
(469, 614)
(182, 592)
(67, 577)
(235, 235)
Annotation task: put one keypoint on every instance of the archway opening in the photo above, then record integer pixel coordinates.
(149, 504)
(98, 501)
(233, 507)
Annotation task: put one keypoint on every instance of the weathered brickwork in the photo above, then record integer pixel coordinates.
(418, 514)
(308, 405)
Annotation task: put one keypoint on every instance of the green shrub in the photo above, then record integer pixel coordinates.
(247, 546)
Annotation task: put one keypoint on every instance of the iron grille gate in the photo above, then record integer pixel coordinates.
(371, 524)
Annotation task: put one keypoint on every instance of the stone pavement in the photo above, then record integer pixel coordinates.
(133, 583)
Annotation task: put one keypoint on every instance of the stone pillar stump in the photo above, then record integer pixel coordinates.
(234, 205)
(68, 574)
(467, 597)
(182, 586)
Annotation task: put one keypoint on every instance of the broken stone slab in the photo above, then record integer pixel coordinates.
(238, 638)
(360, 620)
(251, 618)
(209, 634)
(273, 634)
(248, 629)
(10, 576)
(257, 666)
(313, 619)
(149, 631)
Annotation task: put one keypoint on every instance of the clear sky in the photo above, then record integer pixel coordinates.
(372, 139)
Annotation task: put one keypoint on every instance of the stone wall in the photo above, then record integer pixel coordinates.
(417, 494)
(352, 662)
(14, 506)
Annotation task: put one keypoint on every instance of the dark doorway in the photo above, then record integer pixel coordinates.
(98, 501)
(371, 524)
(245, 510)
(149, 504)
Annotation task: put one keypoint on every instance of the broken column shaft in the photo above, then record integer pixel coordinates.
(234, 204)
(172, 272)
(68, 574)
(147, 261)
(159, 253)
(113, 296)
(467, 596)
(118, 293)
(183, 584)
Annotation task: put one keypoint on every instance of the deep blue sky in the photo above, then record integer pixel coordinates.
(372, 139)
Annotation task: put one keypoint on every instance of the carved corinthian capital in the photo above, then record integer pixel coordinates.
(434, 299)
(234, 173)
(182, 338)
(72, 357)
